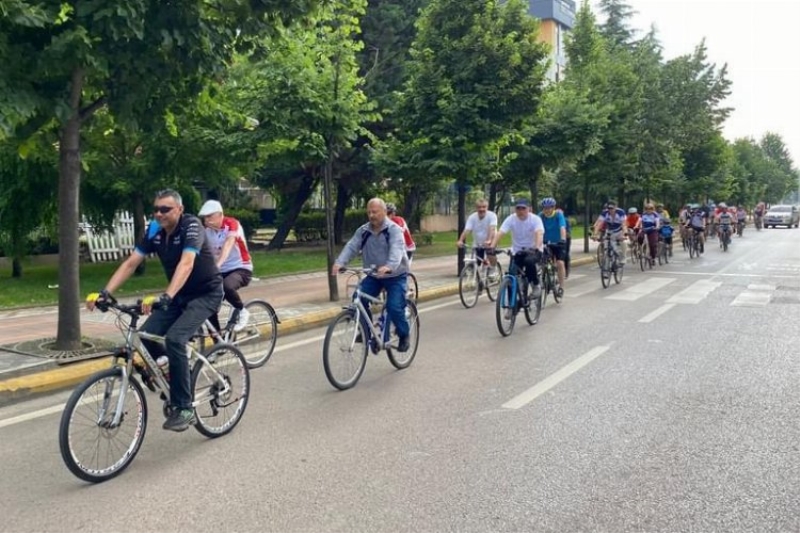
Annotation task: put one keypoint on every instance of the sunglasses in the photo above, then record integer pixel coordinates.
(163, 209)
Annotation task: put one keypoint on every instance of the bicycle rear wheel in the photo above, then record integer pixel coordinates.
(257, 340)
(492, 282)
(505, 313)
(619, 270)
(534, 308)
(401, 360)
(557, 294)
(468, 285)
(413, 288)
(92, 446)
(220, 401)
(344, 352)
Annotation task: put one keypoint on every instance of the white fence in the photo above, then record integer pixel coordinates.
(112, 245)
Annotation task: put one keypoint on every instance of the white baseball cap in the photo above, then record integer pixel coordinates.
(209, 208)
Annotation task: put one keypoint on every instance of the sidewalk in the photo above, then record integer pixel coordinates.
(301, 302)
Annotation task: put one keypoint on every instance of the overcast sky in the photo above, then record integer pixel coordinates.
(760, 42)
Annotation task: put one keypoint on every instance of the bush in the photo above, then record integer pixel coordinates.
(423, 238)
(310, 225)
(248, 218)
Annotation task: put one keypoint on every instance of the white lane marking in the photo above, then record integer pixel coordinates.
(756, 295)
(715, 274)
(30, 416)
(657, 313)
(640, 289)
(554, 379)
(60, 407)
(695, 293)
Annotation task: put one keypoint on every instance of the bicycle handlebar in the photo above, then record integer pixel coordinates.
(134, 310)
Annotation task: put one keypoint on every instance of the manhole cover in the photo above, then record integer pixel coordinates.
(90, 349)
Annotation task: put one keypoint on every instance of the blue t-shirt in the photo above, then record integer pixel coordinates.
(649, 222)
(553, 225)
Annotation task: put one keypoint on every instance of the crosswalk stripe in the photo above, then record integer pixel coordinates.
(756, 295)
(639, 290)
(695, 293)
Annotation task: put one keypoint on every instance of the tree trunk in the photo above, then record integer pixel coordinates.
(586, 215)
(493, 188)
(333, 282)
(298, 199)
(16, 267)
(533, 187)
(342, 197)
(412, 206)
(462, 220)
(69, 180)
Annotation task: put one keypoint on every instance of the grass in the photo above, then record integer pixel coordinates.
(32, 288)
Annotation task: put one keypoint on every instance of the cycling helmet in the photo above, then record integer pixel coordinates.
(632, 211)
(548, 202)
(391, 208)
(722, 205)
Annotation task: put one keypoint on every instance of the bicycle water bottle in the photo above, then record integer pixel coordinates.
(163, 365)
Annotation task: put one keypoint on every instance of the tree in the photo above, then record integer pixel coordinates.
(476, 75)
(64, 61)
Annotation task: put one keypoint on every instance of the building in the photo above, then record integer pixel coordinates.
(557, 18)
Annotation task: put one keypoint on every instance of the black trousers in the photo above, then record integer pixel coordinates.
(177, 324)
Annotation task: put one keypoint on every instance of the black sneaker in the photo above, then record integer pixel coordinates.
(180, 420)
(403, 345)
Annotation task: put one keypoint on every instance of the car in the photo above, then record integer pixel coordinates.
(782, 215)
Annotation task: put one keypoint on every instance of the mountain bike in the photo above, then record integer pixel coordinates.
(105, 419)
(512, 296)
(693, 244)
(612, 264)
(645, 258)
(257, 339)
(476, 278)
(635, 250)
(740, 227)
(664, 251)
(549, 276)
(351, 334)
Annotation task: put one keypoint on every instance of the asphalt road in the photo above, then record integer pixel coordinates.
(666, 403)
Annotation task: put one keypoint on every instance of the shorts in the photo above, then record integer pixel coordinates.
(558, 251)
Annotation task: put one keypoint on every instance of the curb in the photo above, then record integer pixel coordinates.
(29, 386)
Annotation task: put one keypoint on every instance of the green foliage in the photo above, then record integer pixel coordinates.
(248, 218)
(310, 225)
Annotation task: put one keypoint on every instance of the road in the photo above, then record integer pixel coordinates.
(666, 403)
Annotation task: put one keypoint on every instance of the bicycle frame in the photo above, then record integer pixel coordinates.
(514, 274)
(361, 315)
(133, 343)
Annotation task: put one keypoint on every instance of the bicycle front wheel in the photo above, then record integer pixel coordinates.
(93, 446)
(468, 286)
(605, 271)
(618, 272)
(492, 282)
(257, 340)
(401, 360)
(221, 392)
(505, 312)
(413, 288)
(534, 309)
(344, 352)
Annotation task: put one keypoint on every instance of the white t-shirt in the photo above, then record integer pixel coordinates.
(480, 227)
(523, 232)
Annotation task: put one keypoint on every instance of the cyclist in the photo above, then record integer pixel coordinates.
(483, 225)
(665, 234)
(683, 220)
(193, 294)
(555, 235)
(697, 223)
(648, 228)
(724, 220)
(381, 243)
(229, 246)
(411, 246)
(758, 213)
(613, 221)
(567, 245)
(527, 242)
(741, 216)
(632, 221)
(661, 211)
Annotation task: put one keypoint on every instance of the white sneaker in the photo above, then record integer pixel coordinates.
(241, 323)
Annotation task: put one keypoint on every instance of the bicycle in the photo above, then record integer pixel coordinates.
(111, 406)
(612, 263)
(257, 339)
(474, 279)
(758, 221)
(513, 296)
(355, 334)
(549, 276)
(645, 257)
(693, 244)
(354, 280)
(740, 227)
(724, 237)
(635, 249)
(664, 251)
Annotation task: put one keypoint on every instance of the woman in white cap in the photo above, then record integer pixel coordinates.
(229, 246)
